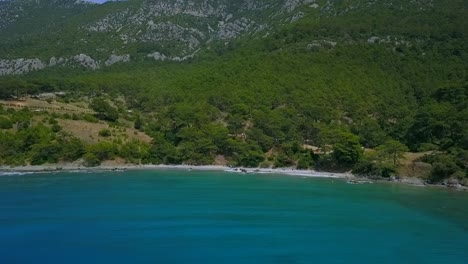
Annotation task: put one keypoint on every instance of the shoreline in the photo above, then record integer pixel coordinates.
(350, 178)
(74, 168)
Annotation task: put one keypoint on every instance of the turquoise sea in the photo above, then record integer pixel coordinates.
(171, 216)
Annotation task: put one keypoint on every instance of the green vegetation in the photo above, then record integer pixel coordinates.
(383, 161)
(104, 110)
(44, 143)
(277, 100)
(105, 133)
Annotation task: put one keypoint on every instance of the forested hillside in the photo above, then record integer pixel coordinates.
(330, 85)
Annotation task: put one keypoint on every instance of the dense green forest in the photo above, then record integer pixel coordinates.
(316, 93)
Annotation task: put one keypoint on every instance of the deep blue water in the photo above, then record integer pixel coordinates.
(215, 217)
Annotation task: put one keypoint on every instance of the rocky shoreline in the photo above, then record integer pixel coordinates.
(286, 171)
(350, 178)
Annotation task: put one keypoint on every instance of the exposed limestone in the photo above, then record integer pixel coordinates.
(54, 61)
(373, 40)
(208, 20)
(233, 29)
(161, 57)
(392, 40)
(291, 5)
(117, 58)
(86, 61)
(168, 31)
(157, 56)
(318, 44)
(182, 27)
(20, 66)
(296, 17)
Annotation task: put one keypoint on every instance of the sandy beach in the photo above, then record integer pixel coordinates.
(30, 169)
(66, 167)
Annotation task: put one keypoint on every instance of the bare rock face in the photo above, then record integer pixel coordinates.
(187, 37)
(86, 61)
(177, 28)
(53, 61)
(296, 17)
(117, 58)
(157, 56)
(57, 61)
(319, 44)
(291, 5)
(20, 66)
(161, 57)
(235, 28)
(373, 40)
(159, 21)
(9, 13)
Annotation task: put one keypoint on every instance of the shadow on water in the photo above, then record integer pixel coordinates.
(450, 205)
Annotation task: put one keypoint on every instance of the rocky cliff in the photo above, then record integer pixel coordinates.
(36, 34)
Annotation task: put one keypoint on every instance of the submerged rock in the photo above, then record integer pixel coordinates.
(453, 183)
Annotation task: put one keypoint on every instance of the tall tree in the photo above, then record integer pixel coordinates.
(392, 150)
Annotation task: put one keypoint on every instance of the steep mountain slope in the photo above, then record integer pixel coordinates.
(173, 30)
(258, 81)
(39, 34)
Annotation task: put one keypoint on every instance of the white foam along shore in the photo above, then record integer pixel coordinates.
(285, 171)
(23, 170)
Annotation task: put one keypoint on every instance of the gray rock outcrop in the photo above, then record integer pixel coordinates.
(86, 61)
(54, 61)
(157, 56)
(161, 57)
(20, 66)
(117, 58)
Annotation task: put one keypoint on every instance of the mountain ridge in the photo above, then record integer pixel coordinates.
(77, 33)
(329, 84)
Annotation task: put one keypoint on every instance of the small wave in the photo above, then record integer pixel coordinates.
(15, 173)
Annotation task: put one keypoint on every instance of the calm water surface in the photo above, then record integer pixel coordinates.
(216, 217)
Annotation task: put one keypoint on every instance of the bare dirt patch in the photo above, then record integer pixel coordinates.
(220, 160)
(43, 106)
(412, 166)
(89, 132)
